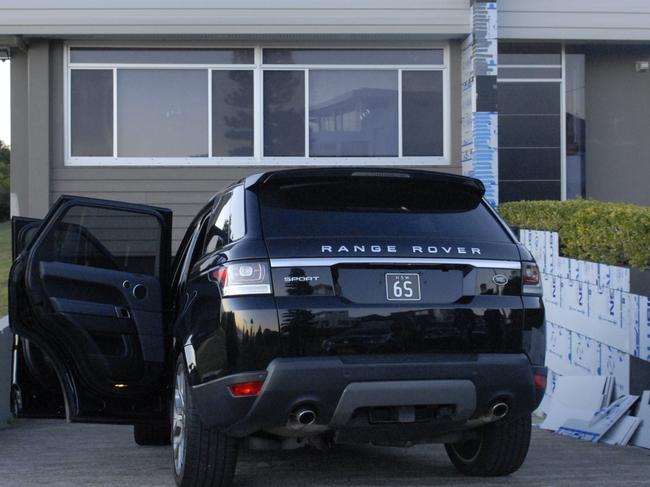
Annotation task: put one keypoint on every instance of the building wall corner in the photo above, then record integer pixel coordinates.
(479, 141)
(30, 129)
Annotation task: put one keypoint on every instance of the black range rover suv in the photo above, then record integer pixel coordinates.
(311, 306)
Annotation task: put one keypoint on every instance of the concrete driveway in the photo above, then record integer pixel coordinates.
(56, 454)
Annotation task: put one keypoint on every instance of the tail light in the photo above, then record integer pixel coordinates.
(242, 278)
(531, 279)
(246, 389)
(540, 381)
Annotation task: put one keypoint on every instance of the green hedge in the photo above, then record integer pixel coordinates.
(612, 233)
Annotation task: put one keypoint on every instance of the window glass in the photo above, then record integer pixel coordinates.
(161, 56)
(91, 112)
(139, 107)
(232, 113)
(422, 114)
(529, 53)
(227, 223)
(284, 113)
(105, 238)
(353, 113)
(184, 251)
(342, 207)
(529, 121)
(576, 118)
(162, 113)
(530, 73)
(354, 56)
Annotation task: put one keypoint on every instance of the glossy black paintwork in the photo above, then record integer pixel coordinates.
(405, 247)
(343, 312)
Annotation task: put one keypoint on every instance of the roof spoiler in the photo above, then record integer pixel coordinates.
(280, 177)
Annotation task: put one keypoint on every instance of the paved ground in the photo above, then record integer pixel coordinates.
(56, 454)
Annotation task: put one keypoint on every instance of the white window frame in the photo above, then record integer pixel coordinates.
(258, 159)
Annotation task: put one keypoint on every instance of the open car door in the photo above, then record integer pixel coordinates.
(89, 293)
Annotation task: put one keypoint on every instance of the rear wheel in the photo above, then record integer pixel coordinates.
(500, 449)
(151, 434)
(203, 456)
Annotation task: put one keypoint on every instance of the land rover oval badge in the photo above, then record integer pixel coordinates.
(500, 280)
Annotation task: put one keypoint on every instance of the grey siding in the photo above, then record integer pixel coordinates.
(30, 130)
(574, 19)
(182, 189)
(43, 17)
(618, 124)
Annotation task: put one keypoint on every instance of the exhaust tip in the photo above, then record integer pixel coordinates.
(500, 410)
(304, 416)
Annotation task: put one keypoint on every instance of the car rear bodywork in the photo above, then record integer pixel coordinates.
(369, 363)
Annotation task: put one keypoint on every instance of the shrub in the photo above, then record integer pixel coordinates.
(598, 231)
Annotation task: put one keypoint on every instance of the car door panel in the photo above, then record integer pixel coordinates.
(92, 288)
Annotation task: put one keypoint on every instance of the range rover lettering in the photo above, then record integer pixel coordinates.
(303, 307)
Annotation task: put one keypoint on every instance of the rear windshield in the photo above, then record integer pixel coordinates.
(376, 207)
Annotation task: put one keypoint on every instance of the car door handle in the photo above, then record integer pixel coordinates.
(122, 312)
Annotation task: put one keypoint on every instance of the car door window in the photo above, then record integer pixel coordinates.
(106, 238)
(228, 221)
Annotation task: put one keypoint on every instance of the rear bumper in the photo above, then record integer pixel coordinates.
(456, 388)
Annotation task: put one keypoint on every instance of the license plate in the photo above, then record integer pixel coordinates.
(402, 287)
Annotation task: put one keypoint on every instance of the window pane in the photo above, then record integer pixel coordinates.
(161, 56)
(353, 56)
(162, 113)
(528, 98)
(575, 125)
(529, 190)
(529, 53)
(352, 113)
(422, 120)
(232, 113)
(358, 207)
(284, 113)
(530, 73)
(227, 223)
(105, 238)
(91, 112)
(529, 131)
(529, 164)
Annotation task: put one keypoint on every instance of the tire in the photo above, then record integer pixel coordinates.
(202, 455)
(152, 434)
(500, 449)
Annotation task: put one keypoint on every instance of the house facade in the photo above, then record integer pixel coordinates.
(167, 102)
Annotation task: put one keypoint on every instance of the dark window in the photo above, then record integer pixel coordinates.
(232, 113)
(518, 164)
(517, 72)
(522, 98)
(185, 249)
(161, 56)
(284, 113)
(576, 119)
(376, 207)
(354, 56)
(91, 112)
(529, 130)
(422, 117)
(529, 190)
(105, 238)
(529, 121)
(227, 223)
(529, 53)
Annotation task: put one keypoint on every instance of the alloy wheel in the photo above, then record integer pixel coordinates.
(179, 433)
